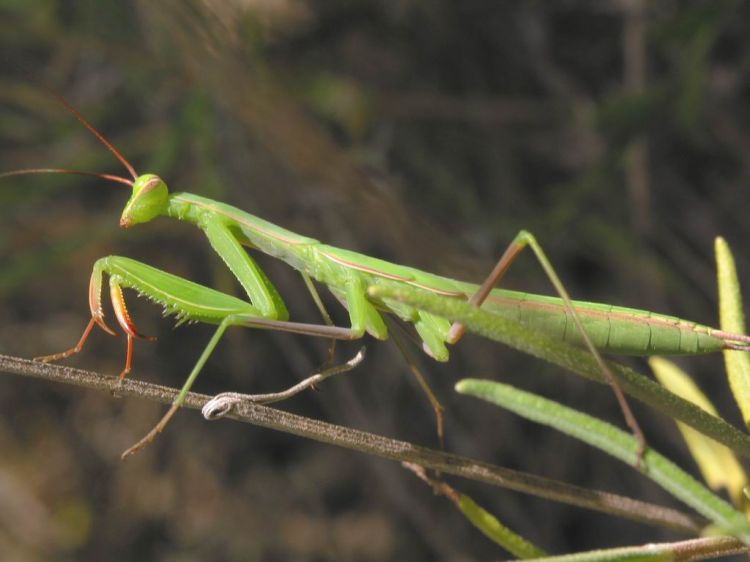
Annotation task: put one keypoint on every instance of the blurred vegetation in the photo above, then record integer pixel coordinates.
(425, 133)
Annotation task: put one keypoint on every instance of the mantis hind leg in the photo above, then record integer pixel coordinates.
(221, 404)
(525, 239)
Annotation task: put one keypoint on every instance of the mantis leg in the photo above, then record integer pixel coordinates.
(323, 312)
(97, 318)
(248, 321)
(375, 324)
(73, 350)
(191, 301)
(398, 339)
(221, 404)
(264, 296)
(519, 243)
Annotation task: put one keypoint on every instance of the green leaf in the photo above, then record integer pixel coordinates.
(496, 531)
(513, 334)
(717, 463)
(617, 443)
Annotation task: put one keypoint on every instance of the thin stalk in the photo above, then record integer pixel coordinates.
(372, 444)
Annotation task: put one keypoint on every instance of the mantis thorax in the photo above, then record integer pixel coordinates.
(149, 200)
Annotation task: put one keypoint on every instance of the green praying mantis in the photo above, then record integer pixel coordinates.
(352, 278)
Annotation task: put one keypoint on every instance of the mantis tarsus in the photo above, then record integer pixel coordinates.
(348, 275)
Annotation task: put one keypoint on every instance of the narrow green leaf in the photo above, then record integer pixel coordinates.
(482, 519)
(513, 334)
(496, 531)
(617, 443)
(733, 320)
(717, 463)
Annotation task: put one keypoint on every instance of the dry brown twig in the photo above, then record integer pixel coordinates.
(376, 445)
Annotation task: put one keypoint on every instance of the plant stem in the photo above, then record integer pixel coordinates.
(372, 444)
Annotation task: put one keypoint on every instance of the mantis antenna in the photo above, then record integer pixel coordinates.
(30, 171)
(100, 137)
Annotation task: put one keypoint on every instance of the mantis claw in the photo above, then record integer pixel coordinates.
(97, 319)
(122, 314)
(125, 322)
(95, 301)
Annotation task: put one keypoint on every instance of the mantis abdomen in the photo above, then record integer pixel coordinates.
(612, 329)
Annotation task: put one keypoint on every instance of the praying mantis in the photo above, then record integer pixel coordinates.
(350, 276)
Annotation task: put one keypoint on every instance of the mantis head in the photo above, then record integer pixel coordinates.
(149, 200)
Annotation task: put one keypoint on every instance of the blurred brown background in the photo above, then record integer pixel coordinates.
(425, 133)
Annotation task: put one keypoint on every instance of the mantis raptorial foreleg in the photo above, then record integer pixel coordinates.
(189, 300)
(97, 318)
(523, 240)
(262, 293)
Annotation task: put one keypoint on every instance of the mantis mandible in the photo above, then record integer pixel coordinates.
(348, 275)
